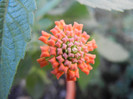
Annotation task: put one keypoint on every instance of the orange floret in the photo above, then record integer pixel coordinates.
(42, 62)
(60, 24)
(63, 68)
(54, 62)
(67, 50)
(45, 54)
(77, 26)
(45, 34)
(51, 42)
(52, 50)
(43, 39)
(44, 48)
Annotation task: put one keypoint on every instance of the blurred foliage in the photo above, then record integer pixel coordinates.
(42, 10)
(111, 50)
(111, 77)
(36, 82)
(23, 69)
(128, 24)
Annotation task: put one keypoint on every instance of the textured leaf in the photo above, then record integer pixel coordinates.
(15, 19)
(118, 5)
(110, 50)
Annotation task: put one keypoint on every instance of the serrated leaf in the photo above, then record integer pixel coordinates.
(15, 19)
(110, 50)
(118, 5)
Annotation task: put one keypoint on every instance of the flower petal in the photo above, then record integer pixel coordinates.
(52, 50)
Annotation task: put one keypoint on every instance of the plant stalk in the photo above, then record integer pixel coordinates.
(70, 94)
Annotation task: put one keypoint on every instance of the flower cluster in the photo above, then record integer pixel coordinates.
(67, 50)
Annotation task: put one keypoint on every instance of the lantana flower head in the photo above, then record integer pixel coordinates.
(67, 50)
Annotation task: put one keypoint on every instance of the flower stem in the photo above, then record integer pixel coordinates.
(70, 90)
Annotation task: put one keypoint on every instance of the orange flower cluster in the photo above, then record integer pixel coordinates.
(67, 50)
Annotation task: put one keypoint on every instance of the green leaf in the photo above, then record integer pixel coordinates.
(23, 69)
(36, 82)
(15, 19)
(118, 5)
(110, 50)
